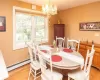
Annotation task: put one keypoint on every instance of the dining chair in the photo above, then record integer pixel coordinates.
(38, 41)
(83, 74)
(73, 44)
(60, 42)
(48, 74)
(35, 69)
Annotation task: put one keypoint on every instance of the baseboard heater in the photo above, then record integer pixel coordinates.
(17, 65)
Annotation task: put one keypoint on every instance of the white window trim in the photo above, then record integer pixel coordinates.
(14, 24)
(33, 33)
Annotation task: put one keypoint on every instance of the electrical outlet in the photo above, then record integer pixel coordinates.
(96, 34)
(33, 7)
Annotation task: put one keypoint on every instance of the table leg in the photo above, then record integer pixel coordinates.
(65, 74)
(65, 77)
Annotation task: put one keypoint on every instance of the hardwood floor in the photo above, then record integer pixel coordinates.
(22, 74)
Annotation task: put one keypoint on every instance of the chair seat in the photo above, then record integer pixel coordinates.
(77, 75)
(35, 65)
(47, 75)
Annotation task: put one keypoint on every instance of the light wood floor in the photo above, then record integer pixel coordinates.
(22, 74)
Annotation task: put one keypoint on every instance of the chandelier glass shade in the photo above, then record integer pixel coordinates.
(49, 9)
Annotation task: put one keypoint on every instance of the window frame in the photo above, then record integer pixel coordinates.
(34, 31)
(22, 45)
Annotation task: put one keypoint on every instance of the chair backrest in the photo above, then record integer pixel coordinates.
(34, 47)
(30, 51)
(72, 44)
(43, 61)
(60, 41)
(37, 41)
(89, 58)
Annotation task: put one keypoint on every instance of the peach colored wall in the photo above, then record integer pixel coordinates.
(6, 38)
(53, 20)
(85, 13)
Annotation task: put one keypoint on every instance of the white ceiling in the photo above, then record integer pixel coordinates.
(61, 4)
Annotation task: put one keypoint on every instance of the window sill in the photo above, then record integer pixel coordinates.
(19, 46)
(22, 45)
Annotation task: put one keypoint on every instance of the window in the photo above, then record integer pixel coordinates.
(27, 27)
(23, 28)
(40, 27)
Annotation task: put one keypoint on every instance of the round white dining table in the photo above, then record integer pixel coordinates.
(70, 60)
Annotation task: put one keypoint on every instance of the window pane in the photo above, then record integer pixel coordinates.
(40, 27)
(23, 27)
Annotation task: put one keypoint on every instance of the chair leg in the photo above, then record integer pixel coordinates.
(35, 75)
(29, 74)
(81, 67)
(68, 78)
(87, 78)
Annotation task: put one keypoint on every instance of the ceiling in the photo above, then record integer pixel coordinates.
(61, 4)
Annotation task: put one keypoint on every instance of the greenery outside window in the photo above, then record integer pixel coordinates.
(28, 27)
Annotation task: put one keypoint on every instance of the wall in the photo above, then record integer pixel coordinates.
(53, 20)
(85, 13)
(6, 38)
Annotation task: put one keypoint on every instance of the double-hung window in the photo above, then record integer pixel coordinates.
(27, 27)
(41, 28)
(23, 29)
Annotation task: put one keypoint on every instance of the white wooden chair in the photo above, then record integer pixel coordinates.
(83, 74)
(37, 41)
(48, 74)
(35, 69)
(72, 44)
(60, 42)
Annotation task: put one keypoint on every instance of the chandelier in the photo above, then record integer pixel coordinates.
(49, 9)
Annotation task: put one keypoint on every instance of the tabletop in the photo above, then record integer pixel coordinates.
(70, 60)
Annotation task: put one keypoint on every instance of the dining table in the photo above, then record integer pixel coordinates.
(63, 59)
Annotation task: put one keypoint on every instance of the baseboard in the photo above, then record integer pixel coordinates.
(96, 67)
(17, 65)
